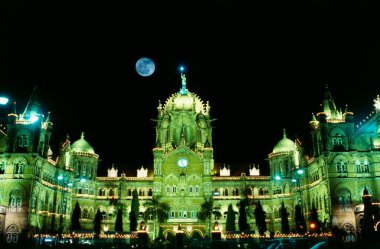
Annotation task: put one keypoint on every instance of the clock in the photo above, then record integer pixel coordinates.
(182, 163)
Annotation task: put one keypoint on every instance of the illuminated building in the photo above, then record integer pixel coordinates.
(36, 189)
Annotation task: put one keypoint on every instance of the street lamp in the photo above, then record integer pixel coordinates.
(3, 100)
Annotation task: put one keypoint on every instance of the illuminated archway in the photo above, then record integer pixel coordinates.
(196, 233)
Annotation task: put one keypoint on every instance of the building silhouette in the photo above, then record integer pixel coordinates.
(38, 192)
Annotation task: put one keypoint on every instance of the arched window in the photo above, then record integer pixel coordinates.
(77, 169)
(338, 139)
(340, 163)
(15, 201)
(84, 169)
(85, 213)
(225, 193)
(85, 189)
(2, 167)
(23, 141)
(111, 192)
(150, 192)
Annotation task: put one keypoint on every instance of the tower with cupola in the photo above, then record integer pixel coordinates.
(183, 155)
(332, 129)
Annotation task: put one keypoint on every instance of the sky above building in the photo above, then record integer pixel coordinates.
(262, 67)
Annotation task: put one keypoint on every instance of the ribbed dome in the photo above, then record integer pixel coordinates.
(285, 144)
(187, 102)
(82, 145)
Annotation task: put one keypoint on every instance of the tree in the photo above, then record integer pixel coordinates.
(75, 225)
(97, 223)
(156, 210)
(314, 222)
(243, 225)
(132, 221)
(284, 220)
(119, 220)
(207, 210)
(260, 216)
(52, 225)
(135, 206)
(300, 221)
(230, 223)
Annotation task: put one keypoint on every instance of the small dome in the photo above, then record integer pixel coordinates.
(82, 145)
(285, 144)
(376, 143)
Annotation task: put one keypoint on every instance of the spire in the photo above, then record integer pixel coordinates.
(284, 133)
(183, 80)
(48, 118)
(31, 101)
(328, 105)
(82, 135)
(14, 107)
(313, 118)
(365, 191)
(377, 104)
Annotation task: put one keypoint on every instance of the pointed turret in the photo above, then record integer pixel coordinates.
(314, 123)
(348, 115)
(329, 107)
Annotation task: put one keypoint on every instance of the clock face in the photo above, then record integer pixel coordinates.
(182, 163)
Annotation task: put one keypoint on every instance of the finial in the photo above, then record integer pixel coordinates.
(82, 135)
(183, 77)
(67, 137)
(284, 133)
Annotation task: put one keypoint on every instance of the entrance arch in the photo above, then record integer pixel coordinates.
(12, 233)
(196, 234)
(350, 232)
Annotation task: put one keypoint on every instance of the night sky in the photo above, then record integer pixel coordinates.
(262, 66)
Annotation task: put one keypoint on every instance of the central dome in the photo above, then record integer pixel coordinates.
(284, 145)
(82, 145)
(187, 102)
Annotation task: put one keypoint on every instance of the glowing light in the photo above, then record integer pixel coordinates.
(33, 117)
(3, 100)
(277, 178)
(300, 171)
(312, 225)
(294, 180)
(181, 68)
(60, 177)
(82, 180)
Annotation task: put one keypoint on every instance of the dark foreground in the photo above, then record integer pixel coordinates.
(279, 243)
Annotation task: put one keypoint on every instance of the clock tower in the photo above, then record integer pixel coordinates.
(183, 156)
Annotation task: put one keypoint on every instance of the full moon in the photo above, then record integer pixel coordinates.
(145, 66)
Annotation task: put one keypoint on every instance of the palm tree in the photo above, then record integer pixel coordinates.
(207, 210)
(156, 210)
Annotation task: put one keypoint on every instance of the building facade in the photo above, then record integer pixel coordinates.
(38, 192)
